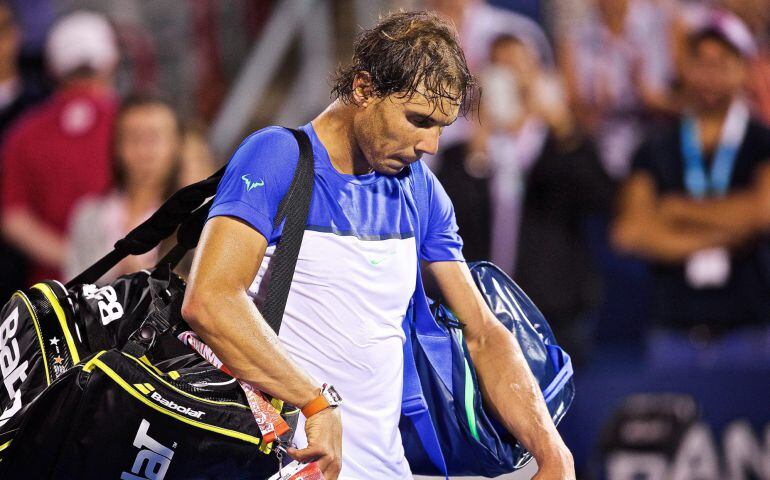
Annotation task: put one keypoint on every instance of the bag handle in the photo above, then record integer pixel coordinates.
(562, 364)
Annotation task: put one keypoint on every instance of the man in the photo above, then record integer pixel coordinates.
(357, 267)
(696, 206)
(61, 151)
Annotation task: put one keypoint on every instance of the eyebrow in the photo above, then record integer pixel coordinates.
(431, 118)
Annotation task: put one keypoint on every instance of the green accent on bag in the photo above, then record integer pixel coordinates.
(470, 391)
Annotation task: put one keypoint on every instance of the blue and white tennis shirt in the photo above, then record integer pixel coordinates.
(354, 278)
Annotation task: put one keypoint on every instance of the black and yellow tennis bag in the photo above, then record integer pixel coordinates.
(47, 329)
(115, 416)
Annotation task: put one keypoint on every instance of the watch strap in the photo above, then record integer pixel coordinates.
(316, 405)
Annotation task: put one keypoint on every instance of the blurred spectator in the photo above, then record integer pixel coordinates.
(696, 205)
(756, 14)
(561, 182)
(148, 144)
(478, 24)
(617, 63)
(527, 150)
(522, 101)
(17, 93)
(60, 152)
(197, 163)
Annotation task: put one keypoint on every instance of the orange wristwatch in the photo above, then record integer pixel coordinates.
(328, 398)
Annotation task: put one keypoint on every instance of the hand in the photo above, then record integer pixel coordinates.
(556, 465)
(324, 442)
(674, 209)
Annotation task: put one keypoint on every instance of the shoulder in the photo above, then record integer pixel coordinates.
(661, 139)
(759, 132)
(89, 212)
(269, 150)
(30, 124)
(756, 146)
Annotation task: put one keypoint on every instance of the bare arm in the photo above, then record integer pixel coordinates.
(641, 229)
(218, 308)
(38, 241)
(512, 392)
(741, 214)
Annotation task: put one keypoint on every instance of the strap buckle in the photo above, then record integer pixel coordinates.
(413, 405)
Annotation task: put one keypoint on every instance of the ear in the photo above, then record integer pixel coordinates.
(362, 89)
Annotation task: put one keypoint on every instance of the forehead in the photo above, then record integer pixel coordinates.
(709, 46)
(442, 110)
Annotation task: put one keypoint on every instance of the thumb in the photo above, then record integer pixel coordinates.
(305, 455)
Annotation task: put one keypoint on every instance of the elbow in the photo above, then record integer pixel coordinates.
(194, 308)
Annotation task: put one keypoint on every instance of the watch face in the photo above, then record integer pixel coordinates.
(331, 395)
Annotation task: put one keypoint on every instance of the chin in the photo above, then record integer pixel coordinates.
(393, 167)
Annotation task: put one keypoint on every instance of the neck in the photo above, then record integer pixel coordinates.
(711, 122)
(334, 127)
(142, 198)
(92, 84)
(615, 21)
(7, 71)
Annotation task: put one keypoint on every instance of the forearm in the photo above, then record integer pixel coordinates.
(738, 215)
(234, 329)
(34, 238)
(656, 241)
(512, 393)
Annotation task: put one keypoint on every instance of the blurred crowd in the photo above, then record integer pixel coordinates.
(617, 166)
(81, 165)
(618, 170)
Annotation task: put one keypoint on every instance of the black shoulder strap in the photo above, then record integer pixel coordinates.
(188, 209)
(152, 231)
(295, 206)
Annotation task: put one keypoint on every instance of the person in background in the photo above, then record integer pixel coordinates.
(484, 175)
(479, 23)
(756, 14)
(17, 91)
(148, 141)
(617, 66)
(696, 206)
(524, 99)
(17, 94)
(562, 184)
(60, 152)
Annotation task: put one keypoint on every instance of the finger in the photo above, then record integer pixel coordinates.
(306, 455)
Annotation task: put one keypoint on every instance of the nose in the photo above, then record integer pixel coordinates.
(428, 143)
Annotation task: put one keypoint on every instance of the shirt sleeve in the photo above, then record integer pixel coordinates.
(256, 179)
(442, 242)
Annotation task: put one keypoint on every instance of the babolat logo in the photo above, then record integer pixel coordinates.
(153, 459)
(149, 390)
(13, 372)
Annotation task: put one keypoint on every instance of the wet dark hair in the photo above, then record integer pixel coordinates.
(406, 51)
(133, 102)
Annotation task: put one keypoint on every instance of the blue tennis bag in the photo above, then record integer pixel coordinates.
(444, 427)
